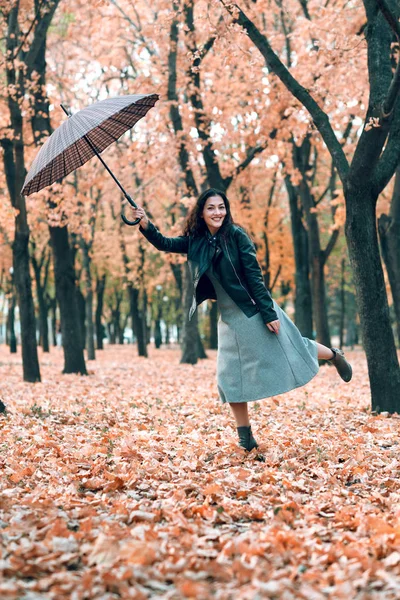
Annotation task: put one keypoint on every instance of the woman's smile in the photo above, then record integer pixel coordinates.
(214, 213)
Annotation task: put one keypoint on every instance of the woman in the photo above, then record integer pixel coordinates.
(261, 352)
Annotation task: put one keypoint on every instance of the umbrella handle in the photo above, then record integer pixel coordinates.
(125, 220)
(123, 217)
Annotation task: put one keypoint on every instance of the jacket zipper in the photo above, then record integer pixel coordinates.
(233, 267)
(201, 273)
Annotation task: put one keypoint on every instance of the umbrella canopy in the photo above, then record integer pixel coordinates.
(84, 135)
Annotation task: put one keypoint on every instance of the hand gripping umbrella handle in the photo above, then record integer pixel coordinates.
(123, 217)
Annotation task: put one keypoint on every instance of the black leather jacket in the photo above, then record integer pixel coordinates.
(235, 264)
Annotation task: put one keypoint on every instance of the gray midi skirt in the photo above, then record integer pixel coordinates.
(253, 362)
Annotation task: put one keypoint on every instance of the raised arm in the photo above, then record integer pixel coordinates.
(178, 244)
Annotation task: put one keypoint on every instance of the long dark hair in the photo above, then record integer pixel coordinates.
(195, 224)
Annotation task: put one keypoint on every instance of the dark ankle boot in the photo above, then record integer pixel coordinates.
(246, 439)
(342, 366)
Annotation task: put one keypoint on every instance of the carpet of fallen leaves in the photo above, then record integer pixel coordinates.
(129, 483)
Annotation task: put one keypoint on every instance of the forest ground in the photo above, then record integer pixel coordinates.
(129, 483)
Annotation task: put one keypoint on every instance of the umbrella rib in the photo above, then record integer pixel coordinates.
(106, 132)
(77, 149)
(40, 179)
(119, 122)
(112, 118)
(115, 121)
(128, 113)
(65, 165)
(51, 170)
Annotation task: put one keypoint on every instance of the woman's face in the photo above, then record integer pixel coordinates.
(214, 213)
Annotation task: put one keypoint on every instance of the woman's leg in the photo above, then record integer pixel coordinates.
(336, 357)
(324, 352)
(241, 413)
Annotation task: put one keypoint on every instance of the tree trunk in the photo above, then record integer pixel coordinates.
(319, 301)
(342, 305)
(157, 329)
(43, 324)
(111, 332)
(201, 353)
(303, 297)
(100, 289)
(351, 322)
(88, 302)
(146, 329)
(80, 298)
(301, 157)
(121, 330)
(10, 330)
(137, 321)
(214, 326)
(14, 167)
(74, 361)
(52, 303)
(378, 339)
(190, 328)
(42, 303)
(91, 354)
(16, 76)
(121, 337)
(389, 234)
(22, 278)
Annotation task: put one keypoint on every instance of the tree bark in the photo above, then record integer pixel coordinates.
(111, 332)
(41, 297)
(137, 321)
(342, 304)
(64, 273)
(389, 235)
(137, 316)
(201, 353)
(81, 315)
(378, 339)
(14, 165)
(121, 329)
(317, 257)
(11, 338)
(91, 354)
(52, 303)
(190, 331)
(30, 361)
(157, 333)
(100, 289)
(303, 297)
(351, 322)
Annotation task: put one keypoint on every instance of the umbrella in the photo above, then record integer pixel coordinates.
(84, 135)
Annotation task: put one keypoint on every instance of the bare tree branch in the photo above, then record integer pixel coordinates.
(135, 26)
(250, 154)
(275, 65)
(175, 114)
